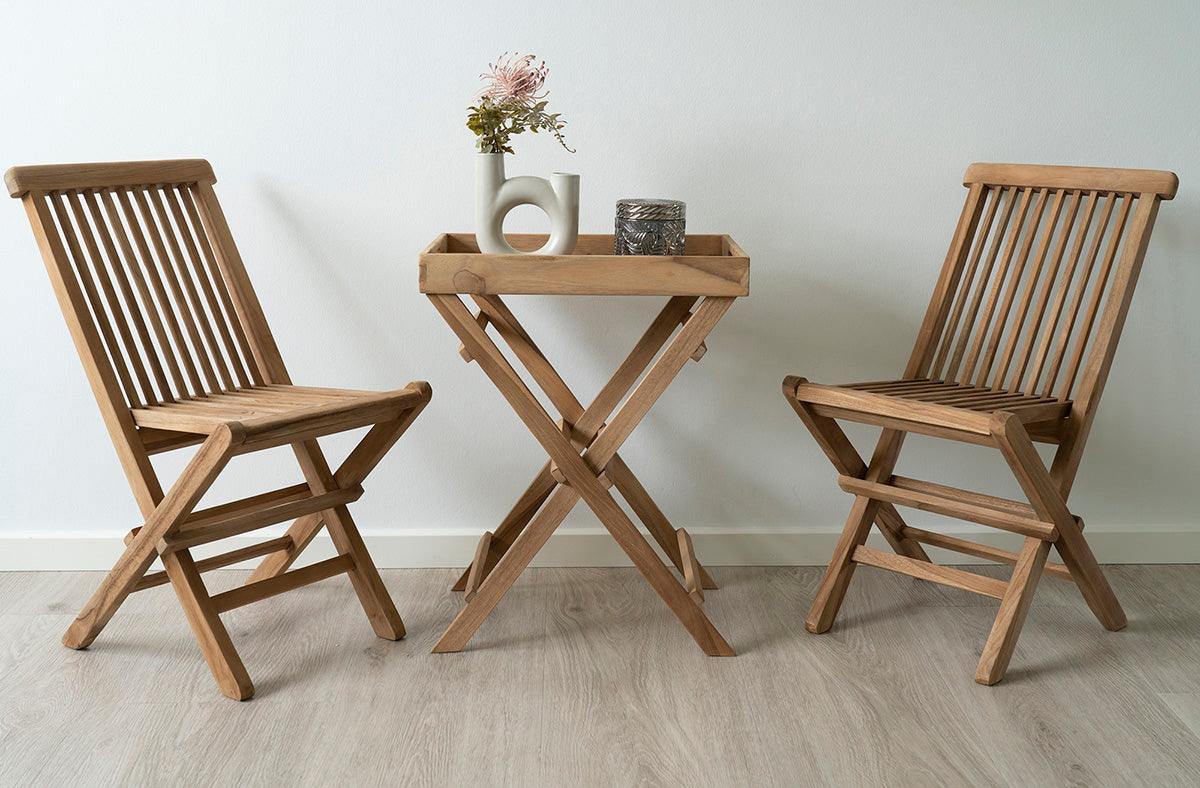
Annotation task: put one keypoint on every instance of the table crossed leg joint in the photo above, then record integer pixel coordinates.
(583, 461)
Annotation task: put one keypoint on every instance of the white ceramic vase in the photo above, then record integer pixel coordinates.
(496, 195)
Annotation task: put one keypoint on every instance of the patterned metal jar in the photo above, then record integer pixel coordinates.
(646, 226)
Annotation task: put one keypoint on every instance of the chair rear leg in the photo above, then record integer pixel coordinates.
(301, 532)
(215, 644)
(1078, 556)
(368, 585)
(361, 461)
(179, 501)
(1007, 628)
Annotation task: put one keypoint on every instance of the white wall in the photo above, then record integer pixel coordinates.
(829, 140)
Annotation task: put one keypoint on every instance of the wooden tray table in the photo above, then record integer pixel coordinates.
(582, 443)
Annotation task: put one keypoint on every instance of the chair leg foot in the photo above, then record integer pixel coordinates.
(1090, 578)
(1002, 640)
(112, 592)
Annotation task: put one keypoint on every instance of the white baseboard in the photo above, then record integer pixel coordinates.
(594, 547)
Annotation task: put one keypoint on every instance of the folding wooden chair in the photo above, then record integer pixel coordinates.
(178, 353)
(1015, 347)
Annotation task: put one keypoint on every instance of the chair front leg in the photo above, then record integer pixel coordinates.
(998, 650)
(832, 590)
(365, 578)
(176, 505)
(845, 460)
(215, 643)
(368, 585)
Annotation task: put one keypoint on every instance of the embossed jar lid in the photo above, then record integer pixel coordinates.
(651, 209)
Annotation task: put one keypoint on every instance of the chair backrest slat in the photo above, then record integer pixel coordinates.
(1031, 281)
(120, 271)
(176, 352)
(1047, 286)
(1067, 326)
(241, 343)
(166, 247)
(148, 306)
(1000, 327)
(980, 241)
(149, 273)
(1085, 327)
(984, 357)
(229, 366)
(983, 277)
(249, 312)
(99, 311)
(1064, 284)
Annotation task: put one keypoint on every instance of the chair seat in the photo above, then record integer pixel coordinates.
(202, 415)
(934, 407)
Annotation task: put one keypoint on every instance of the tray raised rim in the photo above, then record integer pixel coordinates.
(475, 273)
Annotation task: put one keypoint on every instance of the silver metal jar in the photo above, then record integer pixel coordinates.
(648, 226)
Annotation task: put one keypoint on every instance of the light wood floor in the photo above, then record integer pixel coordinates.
(583, 677)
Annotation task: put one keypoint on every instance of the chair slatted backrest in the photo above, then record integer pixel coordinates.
(1037, 282)
(147, 273)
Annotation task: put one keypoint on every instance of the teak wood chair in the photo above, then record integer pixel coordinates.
(178, 353)
(1015, 347)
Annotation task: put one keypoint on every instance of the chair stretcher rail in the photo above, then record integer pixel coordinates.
(219, 561)
(950, 507)
(967, 547)
(923, 570)
(262, 589)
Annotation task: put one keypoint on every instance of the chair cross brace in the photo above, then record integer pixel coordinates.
(583, 459)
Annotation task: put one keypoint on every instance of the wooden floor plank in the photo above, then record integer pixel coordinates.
(578, 685)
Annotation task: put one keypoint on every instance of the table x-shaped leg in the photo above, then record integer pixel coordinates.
(571, 475)
(586, 423)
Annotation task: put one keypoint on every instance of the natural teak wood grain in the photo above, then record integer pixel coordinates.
(582, 442)
(178, 353)
(1015, 347)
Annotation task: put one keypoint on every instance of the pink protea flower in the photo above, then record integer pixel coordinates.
(515, 78)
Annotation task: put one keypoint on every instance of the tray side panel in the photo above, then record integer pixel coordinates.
(478, 274)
